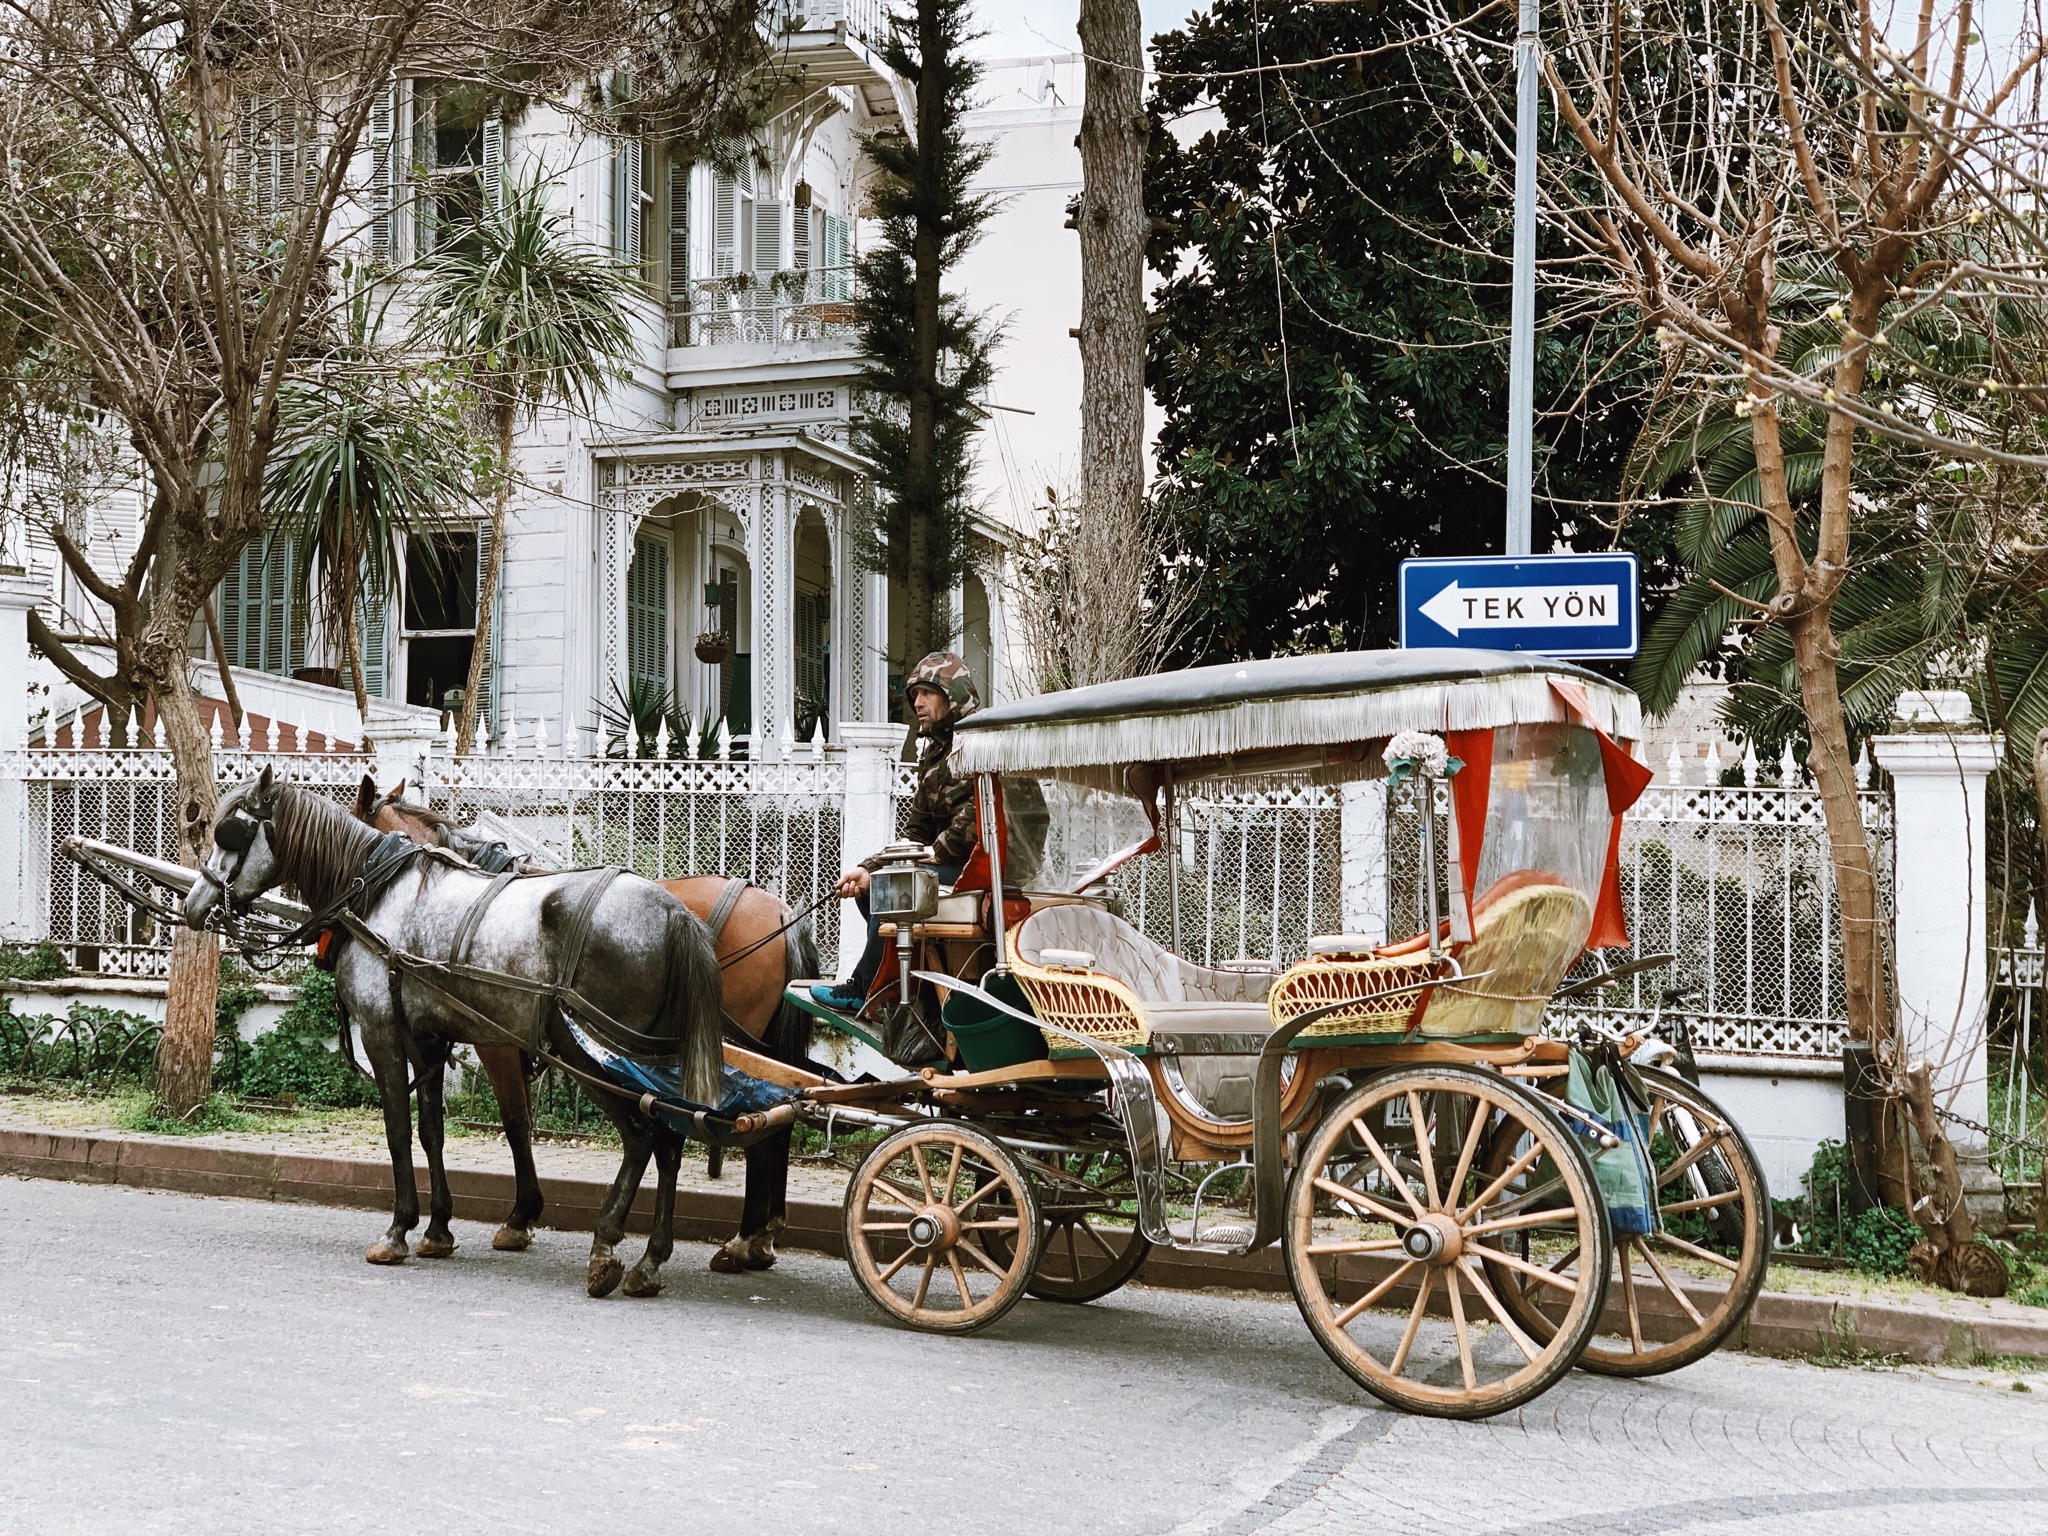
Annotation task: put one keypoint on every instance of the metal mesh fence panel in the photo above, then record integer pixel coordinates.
(1259, 872)
(1736, 884)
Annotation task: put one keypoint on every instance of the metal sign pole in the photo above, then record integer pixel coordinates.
(1522, 321)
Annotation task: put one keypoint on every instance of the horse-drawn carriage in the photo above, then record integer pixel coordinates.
(1469, 1199)
(1467, 1204)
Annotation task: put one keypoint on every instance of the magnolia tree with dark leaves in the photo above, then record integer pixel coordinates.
(174, 185)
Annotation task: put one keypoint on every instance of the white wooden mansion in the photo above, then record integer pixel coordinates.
(712, 494)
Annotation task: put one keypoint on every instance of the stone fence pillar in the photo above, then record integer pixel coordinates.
(1939, 761)
(1362, 837)
(867, 822)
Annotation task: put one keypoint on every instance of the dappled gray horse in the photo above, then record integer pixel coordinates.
(420, 936)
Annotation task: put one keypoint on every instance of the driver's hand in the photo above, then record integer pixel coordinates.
(852, 883)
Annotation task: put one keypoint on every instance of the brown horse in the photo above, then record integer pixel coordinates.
(744, 923)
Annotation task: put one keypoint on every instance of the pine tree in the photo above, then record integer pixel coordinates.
(927, 354)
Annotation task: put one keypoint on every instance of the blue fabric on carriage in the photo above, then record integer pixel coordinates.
(739, 1093)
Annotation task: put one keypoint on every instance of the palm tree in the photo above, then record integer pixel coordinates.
(366, 454)
(537, 318)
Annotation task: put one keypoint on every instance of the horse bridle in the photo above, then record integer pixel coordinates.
(236, 833)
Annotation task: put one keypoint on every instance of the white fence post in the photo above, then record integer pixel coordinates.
(1938, 767)
(1362, 834)
(868, 820)
(21, 893)
(401, 748)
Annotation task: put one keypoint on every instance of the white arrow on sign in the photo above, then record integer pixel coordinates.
(1574, 605)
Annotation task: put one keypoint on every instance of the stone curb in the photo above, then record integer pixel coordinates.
(1955, 1330)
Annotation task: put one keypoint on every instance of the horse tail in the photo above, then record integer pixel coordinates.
(693, 1004)
(789, 1032)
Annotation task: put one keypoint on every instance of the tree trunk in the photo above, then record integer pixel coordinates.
(352, 648)
(227, 671)
(923, 632)
(487, 585)
(2041, 821)
(1114, 132)
(184, 1061)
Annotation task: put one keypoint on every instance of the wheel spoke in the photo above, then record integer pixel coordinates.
(1677, 1293)
(903, 1197)
(885, 1226)
(1350, 1196)
(1628, 1292)
(1467, 1152)
(1522, 1341)
(1563, 1216)
(993, 1224)
(1694, 1153)
(924, 1282)
(1699, 1253)
(960, 1279)
(1379, 1154)
(1375, 1245)
(1414, 1323)
(1345, 1317)
(994, 1184)
(1423, 1155)
(1704, 1203)
(924, 1174)
(1524, 1200)
(897, 1263)
(1095, 1237)
(1458, 1327)
(953, 1170)
(1534, 1271)
(975, 1253)
(1513, 1171)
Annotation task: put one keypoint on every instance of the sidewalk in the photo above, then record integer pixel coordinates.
(346, 1166)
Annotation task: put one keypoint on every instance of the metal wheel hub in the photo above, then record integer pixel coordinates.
(1436, 1239)
(934, 1227)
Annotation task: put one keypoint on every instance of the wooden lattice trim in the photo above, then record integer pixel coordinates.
(1086, 1002)
(1319, 981)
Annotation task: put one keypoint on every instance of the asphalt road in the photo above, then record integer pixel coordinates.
(178, 1364)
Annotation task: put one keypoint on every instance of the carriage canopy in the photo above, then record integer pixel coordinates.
(1541, 793)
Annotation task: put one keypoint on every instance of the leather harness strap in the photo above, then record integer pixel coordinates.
(577, 934)
(465, 931)
(721, 913)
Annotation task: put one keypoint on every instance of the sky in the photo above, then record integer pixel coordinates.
(1017, 28)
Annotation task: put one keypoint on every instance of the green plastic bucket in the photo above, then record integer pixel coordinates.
(990, 1040)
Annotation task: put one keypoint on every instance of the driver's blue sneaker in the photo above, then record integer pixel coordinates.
(839, 997)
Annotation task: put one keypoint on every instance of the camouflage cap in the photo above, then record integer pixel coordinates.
(944, 673)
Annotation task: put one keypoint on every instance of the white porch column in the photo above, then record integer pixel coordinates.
(21, 887)
(867, 821)
(400, 749)
(1362, 835)
(1938, 767)
(772, 551)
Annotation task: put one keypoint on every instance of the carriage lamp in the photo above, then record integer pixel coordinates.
(903, 891)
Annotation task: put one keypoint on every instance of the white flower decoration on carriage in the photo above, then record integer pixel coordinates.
(1418, 753)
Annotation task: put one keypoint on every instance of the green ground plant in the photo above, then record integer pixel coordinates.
(1874, 1241)
(31, 962)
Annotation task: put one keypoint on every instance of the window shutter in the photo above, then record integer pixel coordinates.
(626, 210)
(383, 174)
(725, 226)
(494, 161)
(420, 170)
(800, 238)
(768, 237)
(679, 232)
(647, 614)
(374, 637)
(231, 597)
(837, 283)
(261, 625)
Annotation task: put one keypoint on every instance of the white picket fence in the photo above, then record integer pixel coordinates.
(1735, 881)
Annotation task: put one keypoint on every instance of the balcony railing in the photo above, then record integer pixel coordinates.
(765, 309)
(867, 20)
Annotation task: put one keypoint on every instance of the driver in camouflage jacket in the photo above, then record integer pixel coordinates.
(942, 691)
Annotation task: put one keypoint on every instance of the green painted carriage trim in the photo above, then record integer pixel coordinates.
(800, 995)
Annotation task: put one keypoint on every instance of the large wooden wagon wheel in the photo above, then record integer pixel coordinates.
(1674, 1295)
(942, 1227)
(1390, 1208)
(1092, 1244)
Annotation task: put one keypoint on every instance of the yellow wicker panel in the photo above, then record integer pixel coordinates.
(1086, 1002)
(1319, 981)
(1524, 944)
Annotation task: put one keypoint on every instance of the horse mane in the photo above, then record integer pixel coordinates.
(318, 845)
(426, 816)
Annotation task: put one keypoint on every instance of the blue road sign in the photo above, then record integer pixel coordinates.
(1560, 605)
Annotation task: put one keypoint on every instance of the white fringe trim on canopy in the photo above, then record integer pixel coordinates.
(1262, 724)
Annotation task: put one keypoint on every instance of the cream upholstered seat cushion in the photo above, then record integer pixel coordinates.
(1156, 975)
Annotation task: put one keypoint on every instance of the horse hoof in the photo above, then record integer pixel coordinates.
(512, 1240)
(384, 1251)
(639, 1283)
(432, 1247)
(723, 1263)
(604, 1277)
